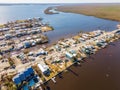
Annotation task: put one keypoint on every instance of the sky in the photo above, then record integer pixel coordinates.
(59, 1)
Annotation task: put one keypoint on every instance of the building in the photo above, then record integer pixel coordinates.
(69, 55)
(44, 69)
(22, 76)
(27, 45)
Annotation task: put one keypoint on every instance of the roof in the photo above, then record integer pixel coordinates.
(16, 79)
(68, 54)
(23, 75)
(43, 68)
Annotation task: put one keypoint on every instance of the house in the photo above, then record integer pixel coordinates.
(27, 44)
(73, 52)
(22, 76)
(57, 47)
(8, 36)
(69, 55)
(19, 46)
(33, 42)
(44, 69)
(17, 80)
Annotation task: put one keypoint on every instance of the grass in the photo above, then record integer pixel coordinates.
(7, 82)
(105, 11)
(47, 28)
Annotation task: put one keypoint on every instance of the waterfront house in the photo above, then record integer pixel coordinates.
(69, 55)
(44, 68)
(39, 41)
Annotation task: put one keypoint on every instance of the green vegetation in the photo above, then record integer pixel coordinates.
(11, 62)
(106, 11)
(35, 67)
(7, 82)
(47, 11)
(37, 70)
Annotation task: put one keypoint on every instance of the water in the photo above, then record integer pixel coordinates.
(64, 23)
(100, 72)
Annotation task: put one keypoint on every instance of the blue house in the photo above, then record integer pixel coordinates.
(23, 76)
(17, 80)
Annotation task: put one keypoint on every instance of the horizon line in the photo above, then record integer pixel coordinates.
(62, 3)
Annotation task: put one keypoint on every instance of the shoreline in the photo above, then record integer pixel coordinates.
(79, 52)
(50, 11)
(101, 11)
(80, 77)
(52, 58)
(60, 77)
(71, 60)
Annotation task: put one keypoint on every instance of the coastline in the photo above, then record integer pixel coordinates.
(87, 59)
(50, 11)
(70, 61)
(104, 11)
(101, 68)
